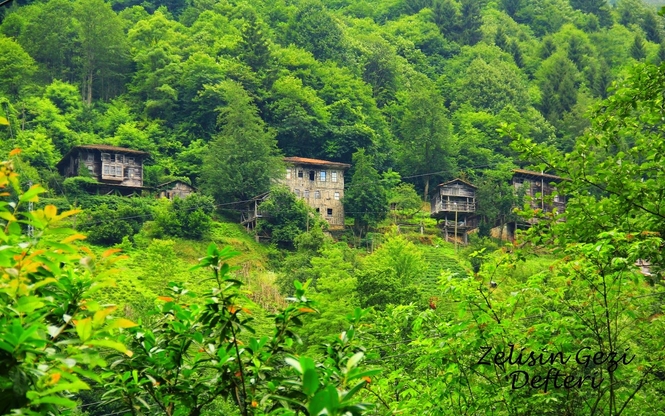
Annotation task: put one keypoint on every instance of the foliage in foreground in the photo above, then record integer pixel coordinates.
(193, 352)
(52, 332)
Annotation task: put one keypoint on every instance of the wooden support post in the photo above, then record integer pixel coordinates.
(455, 230)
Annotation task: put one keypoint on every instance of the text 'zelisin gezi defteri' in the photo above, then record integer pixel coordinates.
(589, 367)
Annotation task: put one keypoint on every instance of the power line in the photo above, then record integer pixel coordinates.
(253, 199)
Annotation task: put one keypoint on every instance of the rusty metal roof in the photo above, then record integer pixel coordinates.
(459, 180)
(110, 149)
(317, 162)
(538, 174)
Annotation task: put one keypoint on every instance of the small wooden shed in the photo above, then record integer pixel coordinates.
(175, 189)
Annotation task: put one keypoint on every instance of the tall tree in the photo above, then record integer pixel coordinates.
(637, 50)
(16, 67)
(577, 51)
(471, 20)
(559, 87)
(243, 158)
(425, 136)
(287, 216)
(380, 70)
(314, 29)
(500, 39)
(598, 7)
(660, 56)
(255, 45)
(445, 16)
(548, 48)
(103, 51)
(518, 57)
(512, 7)
(652, 27)
(365, 198)
(49, 36)
(602, 80)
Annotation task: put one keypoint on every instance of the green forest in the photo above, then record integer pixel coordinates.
(115, 304)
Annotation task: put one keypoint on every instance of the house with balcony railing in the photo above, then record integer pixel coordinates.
(115, 168)
(454, 207)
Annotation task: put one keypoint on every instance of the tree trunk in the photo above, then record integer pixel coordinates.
(426, 195)
(89, 88)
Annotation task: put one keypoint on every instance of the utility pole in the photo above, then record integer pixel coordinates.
(456, 227)
(31, 229)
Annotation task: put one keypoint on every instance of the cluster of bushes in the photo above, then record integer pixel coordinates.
(186, 218)
(108, 219)
(114, 218)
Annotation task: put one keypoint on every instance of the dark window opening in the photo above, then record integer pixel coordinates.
(330, 212)
(311, 175)
(318, 210)
(300, 174)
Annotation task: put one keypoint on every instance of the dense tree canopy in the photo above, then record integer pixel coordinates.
(217, 92)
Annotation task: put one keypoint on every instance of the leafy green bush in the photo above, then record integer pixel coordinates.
(78, 186)
(285, 217)
(107, 225)
(187, 218)
(51, 329)
(206, 354)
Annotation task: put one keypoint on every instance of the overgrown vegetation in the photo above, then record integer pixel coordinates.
(560, 321)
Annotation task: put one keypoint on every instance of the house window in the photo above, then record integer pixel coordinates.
(90, 169)
(322, 176)
(312, 174)
(300, 173)
(288, 174)
(106, 157)
(317, 195)
(120, 158)
(329, 212)
(318, 210)
(336, 196)
(130, 159)
(90, 157)
(297, 191)
(306, 193)
(106, 170)
(333, 176)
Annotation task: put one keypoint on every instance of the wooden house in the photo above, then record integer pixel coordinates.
(538, 187)
(320, 183)
(175, 189)
(454, 207)
(115, 168)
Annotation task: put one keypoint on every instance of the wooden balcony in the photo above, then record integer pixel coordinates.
(443, 206)
(457, 192)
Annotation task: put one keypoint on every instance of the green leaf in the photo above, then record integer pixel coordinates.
(294, 363)
(118, 346)
(349, 395)
(319, 402)
(310, 382)
(4, 121)
(84, 329)
(57, 400)
(353, 361)
(31, 194)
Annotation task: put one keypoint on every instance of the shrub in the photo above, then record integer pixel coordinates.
(78, 186)
(108, 225)
(49, 341)
(187, 218)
